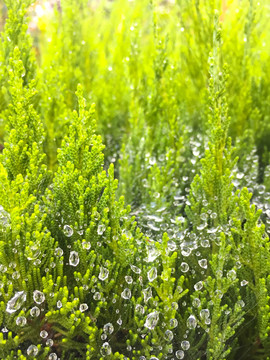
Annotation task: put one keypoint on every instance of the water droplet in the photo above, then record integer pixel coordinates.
(129, 279)
(191, 322)
(74, 258)
(68, 231)
(173, 323)
(152, 274)
(151, 320)
(139, 309)
(203, 263)
(59, 304)
(16, 302)
(86, 245)
(198, 286)
(83, 307)
(32, 350)
(16, 275)
(135, 269)
(126, 294)
(58, 252)
(105, 349)
(205, 314)
(153, 253)
(52, 356)
(244, 283)
(171, 245)
(185, 345)
(43, 334)
(219, 294)
(38, 297)
(108, 328)
(185, 251)
(184, 267)
(101, 229)
(180, 354)
(103, 273)
(97, 296)
(35, 311)
(168, 335)
(231, 274)
(32, 252)
(49, 342)
(241, 303)
(103, 337)
(147, 294)
(196, 302)
(4, 217)
(21, 321)
(205, 243)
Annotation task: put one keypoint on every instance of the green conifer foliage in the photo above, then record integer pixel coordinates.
(183, 270)
(214, 190)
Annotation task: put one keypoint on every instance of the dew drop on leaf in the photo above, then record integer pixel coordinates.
(231, 274)
(97, 296)
(105, 349)
(38, 297)
(196, 302)
(21, 321)
(185, 251)
(74, 258)
(152, 274)
(49, 342)
(43, 334)
(32, 350)
(68, 231)
(153, 253)
(126, 294)
(86, 245)
(185, 345)
(103, 273)
(184, 267)
(139, 309)
(191, 322)
(129, 279)
(168, 335)
(204, 314)
(171, 245)
(203, 263)
(101, 228)
(135, 269)
(198, 286)
(108, 328)
(52, 356)
(147, 294)
(173, 323)
(179, 354)
(83, 307)
(58, 252)
(152, 320)
(35, 311)
(16, 302)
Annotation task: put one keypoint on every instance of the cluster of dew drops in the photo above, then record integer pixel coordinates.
(154, 221)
